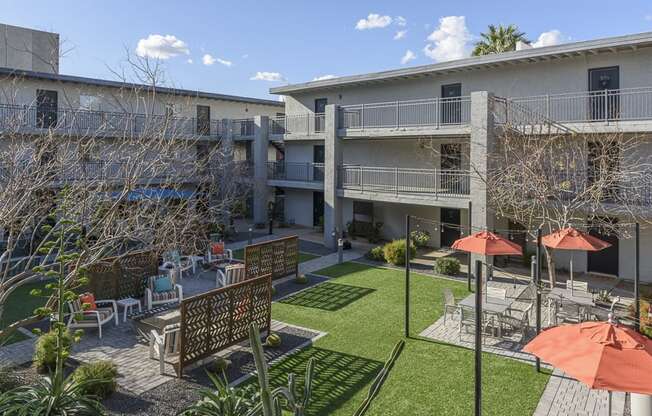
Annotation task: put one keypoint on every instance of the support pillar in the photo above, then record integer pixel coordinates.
(333, 159)
(482, 145)
(259, 150)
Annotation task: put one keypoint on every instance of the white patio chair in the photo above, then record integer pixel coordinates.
(226, 256)
(181, 263)
(232, 274)
(583, 286)
(95, 318)
(157, 298)
(449, 304)
(166, 345)
(496, 292)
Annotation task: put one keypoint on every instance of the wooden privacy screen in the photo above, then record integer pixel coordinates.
(221, 318)
(121, 277)
(279, 258)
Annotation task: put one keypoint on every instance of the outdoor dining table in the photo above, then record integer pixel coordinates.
(489, 304)
(159, 321)
(577, 296)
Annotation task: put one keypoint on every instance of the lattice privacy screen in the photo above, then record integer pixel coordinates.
(279, 258)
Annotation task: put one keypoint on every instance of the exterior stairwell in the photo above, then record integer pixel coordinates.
(521, 119)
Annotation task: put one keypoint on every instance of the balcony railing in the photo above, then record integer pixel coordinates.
(299, 125)
(296, 171)
(591, 106)
(404, 181)
(432, 112)
(243, 168)
(89, 122)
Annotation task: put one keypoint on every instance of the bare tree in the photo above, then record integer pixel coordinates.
(132, 177)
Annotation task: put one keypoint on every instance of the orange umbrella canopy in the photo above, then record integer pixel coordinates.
(573, 239)
(489, 244)
(602, 355)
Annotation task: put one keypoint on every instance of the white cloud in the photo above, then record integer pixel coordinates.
(224, 62)
(648, 17)
(189, 60)
(267, 76)
(401, 21)
(450, 40)
(409, 56)
(208, 59)
(324, 77)
(400, 34)
(373, 21)
(550, 38)
(161, 47)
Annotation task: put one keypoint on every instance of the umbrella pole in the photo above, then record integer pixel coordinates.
(609, 402)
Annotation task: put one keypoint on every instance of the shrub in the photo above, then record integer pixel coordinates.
(45, 355)
(97, 378)
(447, 266)
(301, 279)
(376, 254)
(420, 238)
(9, 381)
(394, 252)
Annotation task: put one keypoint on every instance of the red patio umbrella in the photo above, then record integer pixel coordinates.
(489, 244)
(572, 239)
(602, 355)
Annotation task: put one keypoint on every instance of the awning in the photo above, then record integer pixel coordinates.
(155, 193)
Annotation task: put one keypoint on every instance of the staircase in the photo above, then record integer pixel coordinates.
(521, 119)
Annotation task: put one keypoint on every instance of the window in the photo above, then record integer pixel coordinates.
(89, 102)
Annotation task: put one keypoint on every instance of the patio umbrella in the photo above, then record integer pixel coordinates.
(602, 355)
(572, 239)
(489, 244)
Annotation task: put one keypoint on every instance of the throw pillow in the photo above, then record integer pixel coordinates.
(163, 284)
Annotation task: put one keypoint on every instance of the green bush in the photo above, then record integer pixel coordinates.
(45, 355)
(301, 279)
(376, 254)
(97, 378)
(447, 266)
(420, 238)
(394, 252)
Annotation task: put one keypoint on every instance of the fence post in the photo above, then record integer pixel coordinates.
(361, 179)
(478, 338)
(362, 117)
(438, 112)
(606, 106)
(396, 181)
(548, 106)
(398, 122)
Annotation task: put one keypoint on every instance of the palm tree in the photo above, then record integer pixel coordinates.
(498, 39)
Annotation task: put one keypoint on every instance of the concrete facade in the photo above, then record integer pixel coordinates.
(29, 49)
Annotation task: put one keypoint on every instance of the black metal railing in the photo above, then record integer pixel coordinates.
(296, 171)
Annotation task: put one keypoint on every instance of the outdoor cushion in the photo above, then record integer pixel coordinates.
(217, 249)
(88, 298)
(163, 284)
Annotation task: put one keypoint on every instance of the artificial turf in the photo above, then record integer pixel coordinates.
(239, 255)
(20, 305)
(428, 379)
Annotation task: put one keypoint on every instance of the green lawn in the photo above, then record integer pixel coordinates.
(20, 304)
(239, 254)
(364, 324)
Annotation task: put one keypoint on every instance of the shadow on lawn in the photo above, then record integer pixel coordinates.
(338, 376)
(328, 296)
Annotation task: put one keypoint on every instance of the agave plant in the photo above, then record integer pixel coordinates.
(223, 400)
(48, 398)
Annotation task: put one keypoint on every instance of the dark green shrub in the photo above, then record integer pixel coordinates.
(376, 254)
(447, 266)
(45, 355)
(301, 279)
(97, 379)
(420, 238)
(394, 252)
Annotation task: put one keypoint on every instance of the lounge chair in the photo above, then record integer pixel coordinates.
(181, 263)
(92, 318)
(232, 274)
(153, 297)
(217, 253)
(165, 345)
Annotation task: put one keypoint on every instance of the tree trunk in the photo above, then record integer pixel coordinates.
(552, 273)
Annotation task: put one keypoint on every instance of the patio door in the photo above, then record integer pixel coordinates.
(320, 109)
(203, 120)
(318, 157)
(317, 208)
(47, 103)
(450, 227)
(604, 84)
(451, 106)
(451, 164)
(604, 261)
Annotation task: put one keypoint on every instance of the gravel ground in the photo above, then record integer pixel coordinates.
(178, 394)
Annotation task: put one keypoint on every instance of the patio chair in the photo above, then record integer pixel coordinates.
(92, 318)
(166, 345)
(232, 274)
(583, 286)
(152, 297)
(496, 292)
(516, 324)
(467, 319)
(216, 254)
(449, 303)
(181, 263)
(568, 311)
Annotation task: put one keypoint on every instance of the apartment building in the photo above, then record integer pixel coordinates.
(362, 146)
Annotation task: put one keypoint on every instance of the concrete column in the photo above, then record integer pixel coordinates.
(259, 150)
(482, 145)
(332, 161)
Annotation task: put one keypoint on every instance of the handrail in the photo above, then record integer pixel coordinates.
(296, 171)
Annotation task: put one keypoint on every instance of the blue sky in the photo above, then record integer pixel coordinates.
(296, 41)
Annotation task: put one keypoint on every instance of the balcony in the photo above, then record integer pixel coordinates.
(77, 122)
(448, 116)
(299, 127)
(243, 129)
(404, 184)
(296, 174)
(623, 108)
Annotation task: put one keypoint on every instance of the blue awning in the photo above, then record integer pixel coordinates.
(155, 193)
